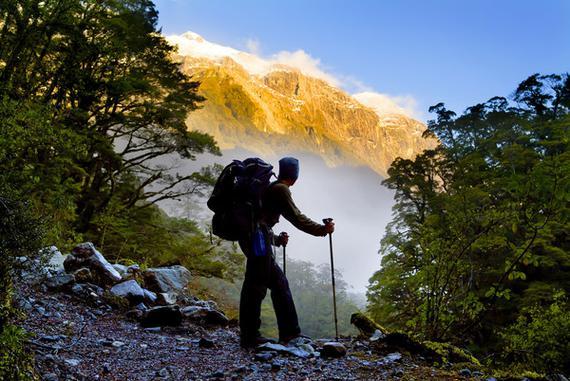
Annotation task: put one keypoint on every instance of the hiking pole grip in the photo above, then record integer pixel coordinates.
(328, 221)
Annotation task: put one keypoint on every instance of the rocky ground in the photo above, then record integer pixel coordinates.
(85, 331)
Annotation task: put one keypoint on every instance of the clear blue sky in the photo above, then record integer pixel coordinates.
(457, 51)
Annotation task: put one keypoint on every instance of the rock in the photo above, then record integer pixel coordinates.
(134, 314)
(477, 374)
(54, 259)
(205, 315)
(52, 338)
(398, 372)
(378, 335)
(150, 297)
(85, 255)
(167, 279)
(83, 275)
(165, 298)
(366, 326)
(391, 357)
(60, 281)
(129, 290)
(271, 347)
(449, 352)
(277, 364)
(205, 303)
(264, 356)
(121, 269)
(206, 343)
(554, 377)
(118, 344)
(72, 362)
(465, 372)
(50, 377)
(218, 374)
(333, 349)
(133, 269)
(162, 316)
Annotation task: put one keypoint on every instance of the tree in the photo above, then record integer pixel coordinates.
(481, 222)
(107, 75)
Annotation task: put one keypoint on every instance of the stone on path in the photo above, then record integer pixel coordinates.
(86, 255)
(129, 290)
(333, 349)
(205, 315)
(167, 279)
(162, 316)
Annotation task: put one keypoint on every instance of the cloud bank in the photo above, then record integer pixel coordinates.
(192, 44)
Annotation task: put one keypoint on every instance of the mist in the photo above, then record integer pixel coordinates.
(353, 196)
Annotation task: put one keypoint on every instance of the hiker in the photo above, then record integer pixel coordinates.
(262, 271)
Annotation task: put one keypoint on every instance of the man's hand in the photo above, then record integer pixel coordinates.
(282, 239)
(329, 225)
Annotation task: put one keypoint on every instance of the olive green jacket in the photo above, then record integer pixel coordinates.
(277, 201)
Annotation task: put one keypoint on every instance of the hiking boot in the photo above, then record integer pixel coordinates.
(247, 342)
(296, 340)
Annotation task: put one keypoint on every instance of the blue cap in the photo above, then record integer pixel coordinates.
(289, 168)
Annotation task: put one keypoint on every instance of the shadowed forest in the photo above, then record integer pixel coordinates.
(477, 255)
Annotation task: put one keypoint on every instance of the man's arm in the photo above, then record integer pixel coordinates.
(292, 214)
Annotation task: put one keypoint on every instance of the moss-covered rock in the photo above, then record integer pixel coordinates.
(442, 353)
(365, 325)
(451, 353)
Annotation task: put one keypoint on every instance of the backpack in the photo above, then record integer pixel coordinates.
(236, 198)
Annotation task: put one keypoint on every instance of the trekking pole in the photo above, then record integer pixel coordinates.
(284, 263)
(328, 221)
(284, 255)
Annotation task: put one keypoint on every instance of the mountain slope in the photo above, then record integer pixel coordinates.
(277, 109)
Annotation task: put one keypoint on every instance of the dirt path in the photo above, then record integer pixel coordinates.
(74, 341)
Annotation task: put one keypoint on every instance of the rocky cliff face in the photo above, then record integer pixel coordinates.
(284, 111)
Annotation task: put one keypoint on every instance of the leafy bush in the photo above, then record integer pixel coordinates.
(20, 235)
(15, 361)
(540, 338)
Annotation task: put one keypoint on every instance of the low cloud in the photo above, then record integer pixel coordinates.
(192, 44)
(385, 104)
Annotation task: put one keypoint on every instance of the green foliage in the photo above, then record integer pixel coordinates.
(20, 235)
(541, 336)
(312, 292)
(16, 363)
(481, 222)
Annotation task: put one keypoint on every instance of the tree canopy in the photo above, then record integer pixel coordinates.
(481, 234)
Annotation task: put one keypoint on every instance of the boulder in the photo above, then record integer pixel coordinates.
(366, 326)
(121, 269)
(60, 281)
(205, 315)
(129, 290)
(83, 275)
(85, 255)
(333, 349)
(54, 259)
(150, 297)
(162, 316)
(167, 279)
(165, 298)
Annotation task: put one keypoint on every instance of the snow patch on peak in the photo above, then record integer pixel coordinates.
(193, 45)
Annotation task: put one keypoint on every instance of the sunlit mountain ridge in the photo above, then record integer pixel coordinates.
(272, 108)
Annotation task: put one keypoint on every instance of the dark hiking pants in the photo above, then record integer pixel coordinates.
(263, 273)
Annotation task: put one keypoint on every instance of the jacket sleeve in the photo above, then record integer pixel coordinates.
(292, 214)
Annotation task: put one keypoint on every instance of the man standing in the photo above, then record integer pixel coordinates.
(262, 272)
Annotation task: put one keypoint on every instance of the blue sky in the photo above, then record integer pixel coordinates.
(458, 52)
